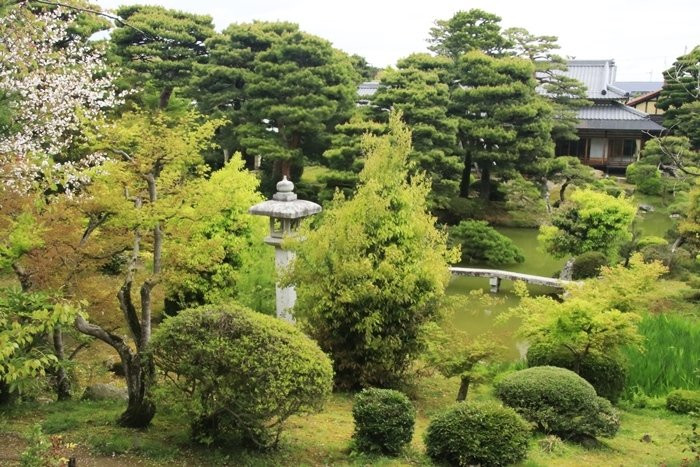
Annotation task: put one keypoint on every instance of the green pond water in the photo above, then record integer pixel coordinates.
(478, 319)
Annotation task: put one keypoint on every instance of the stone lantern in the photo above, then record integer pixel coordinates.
(285, 212)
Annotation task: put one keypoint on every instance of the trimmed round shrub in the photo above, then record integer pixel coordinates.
(483, 244)
(483, 434)
(607, 375)
(587, 265)
(647, 178)
(558, 401)
(384, 421)
(239, 374)
(683, 401)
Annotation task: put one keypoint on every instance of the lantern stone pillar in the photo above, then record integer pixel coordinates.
(285, 212)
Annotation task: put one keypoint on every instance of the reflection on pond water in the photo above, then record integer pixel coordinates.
(480, 318)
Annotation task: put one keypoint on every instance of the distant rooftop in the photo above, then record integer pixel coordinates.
(598, 76)
(639, 87)
(367, 88)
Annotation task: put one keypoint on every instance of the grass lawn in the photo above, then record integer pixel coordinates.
(319, 439)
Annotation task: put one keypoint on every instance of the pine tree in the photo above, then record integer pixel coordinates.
(162, 45)
(417, 90)
(680, 97)
(503, 123)
(466, 31)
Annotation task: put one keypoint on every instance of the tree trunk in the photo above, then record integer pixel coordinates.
(140, 373)
(463, 388)
(165, 97)
(226, 155)
(568, 270)
(485, 188)
(562, 190)
(62, 383)
(466, 175)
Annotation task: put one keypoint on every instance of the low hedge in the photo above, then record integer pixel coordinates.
(683, 401)
(558, 401)
(384, 421)
(484, 434)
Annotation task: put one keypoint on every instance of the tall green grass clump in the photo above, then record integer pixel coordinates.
(671, 356)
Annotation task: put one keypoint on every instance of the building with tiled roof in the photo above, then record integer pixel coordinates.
(611, 134)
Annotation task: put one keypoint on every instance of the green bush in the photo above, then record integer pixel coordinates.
(484, 434)
(558, 401)
(588, 265)
(683, 401)
(646, 177)
(384, 421)
(239, 374)
(607, 375)
(483, 244)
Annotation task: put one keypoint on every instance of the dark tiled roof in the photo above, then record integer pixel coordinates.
(612, 115)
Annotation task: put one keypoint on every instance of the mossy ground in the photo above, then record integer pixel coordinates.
(648, 437)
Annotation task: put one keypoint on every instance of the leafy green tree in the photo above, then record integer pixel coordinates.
(502, 122)
(598, 317)
(416, 89)
(372, 274)
(161, 44)
(590, 221)
(135, 196)
(481, 243)
(283, 90)
(467, 31)
(363, 69)
(680, 97)
(569, 171)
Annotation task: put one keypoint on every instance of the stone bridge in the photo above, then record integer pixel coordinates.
(495, 276)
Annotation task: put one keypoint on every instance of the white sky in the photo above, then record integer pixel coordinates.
(643, 36)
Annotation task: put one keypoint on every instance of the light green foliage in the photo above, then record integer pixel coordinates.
(384, 421)
(680, 96)
(669, 358)
(590, 221)
(466, 31)
(240, 374)
(646, 177)
(483, 434)
(283, 90)
(689, 227)
(502, 122)
(373, 272)
(598, 317)
(481, 243)
(567, 170)
(418, 89)
(166, 54)
(21, 235)
(25, 321)
(558, 401)
(684, 401)
(211, 235)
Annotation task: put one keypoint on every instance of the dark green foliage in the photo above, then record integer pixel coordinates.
(679, 97)
(558, 401)
(166, 54)
(384, 421)
(484, 434)
(482, 243)
(587, 265)
(646, 177)
(466, 31)
(502, 122)
(417, 89)
(606, 374)
(282, 89)
(240, 374)
(684, 401)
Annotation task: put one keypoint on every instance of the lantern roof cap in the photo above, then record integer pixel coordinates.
(284, 204)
